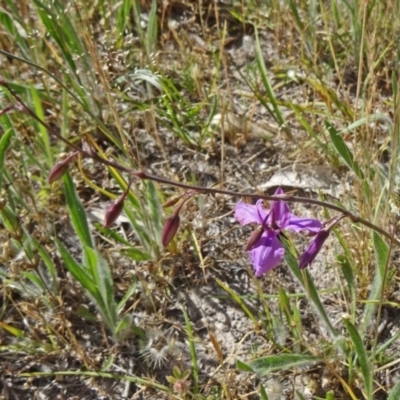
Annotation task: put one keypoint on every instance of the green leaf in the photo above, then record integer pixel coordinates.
(395, 393)
(102, 278)
(4, 143)
(242, 366)
(10, 220)
(362, 356)
(151, 34)
(349, 277)
(77, 212)
(129, 293)
(265, 365)
(155, 208)
(107, 364)
(306, 281)
(263, 393)
(123, 327)
(45, 143)
(238, 300)
(193, 354)
(44, 255)
(77, 270)
(11, 329)
(34, 278)
(343, 150)
(381, 255)
(136, 255)
(384, 346)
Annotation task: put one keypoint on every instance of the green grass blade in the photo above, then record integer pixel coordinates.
(343, 150)
(152, 30)
(4, 143)
(193, 354)
(395, 393)
(362, 357)
(77, 271)
(133, 252)
(263, 393)
(129, 293)
(136, 255)
(123, 18)
(103, 281)
(156, 218)
(308, 284)
(122, 328)
(265, 365)
(381, 256)
(13, 330)
(77, 212)
(42, 129)
(238, 300)
(347, 272)
(384, 346)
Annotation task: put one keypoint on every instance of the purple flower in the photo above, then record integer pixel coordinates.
(266, 250)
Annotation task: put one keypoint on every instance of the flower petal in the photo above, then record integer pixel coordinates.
(267, 253)
(250, 214)
(313, 249)
(280, 214)
(298, 224)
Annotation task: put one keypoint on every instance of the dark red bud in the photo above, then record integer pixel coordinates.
(170, 228)
(254, 238)
(113, 211)
(61, 168)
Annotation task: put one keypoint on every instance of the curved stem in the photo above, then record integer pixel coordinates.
(199, 189)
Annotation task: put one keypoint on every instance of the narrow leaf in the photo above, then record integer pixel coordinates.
(193, 354)
(77, 271)
(4, 143)
(306, 281)
(264, 365)
(395, 393)
(263, 393)
(343, 150)
(381, 255)
(362, 356)
(77, 212)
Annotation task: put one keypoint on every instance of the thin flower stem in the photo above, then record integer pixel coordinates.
(198, 189)
(287, 198)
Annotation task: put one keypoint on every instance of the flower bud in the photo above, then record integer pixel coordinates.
(115, 210)
(313, 249)
(315, 246)
(61, 168)
(170, 228)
